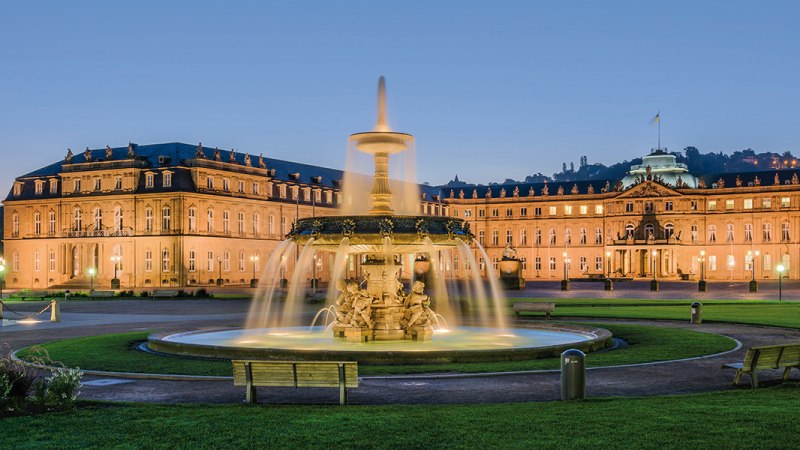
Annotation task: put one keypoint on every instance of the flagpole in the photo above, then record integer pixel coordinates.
(659, 129)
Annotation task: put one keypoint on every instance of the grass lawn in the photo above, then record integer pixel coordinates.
(748, 418)
(114, 352)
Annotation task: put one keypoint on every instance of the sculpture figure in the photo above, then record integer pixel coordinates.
(362, 306)
(217, 156)
(108, 153)
(68, 158)
(509, 252)
(247, 161)
(131, 152)
(232, 157)
(199, 153)
(417, 305)
(261, 163)
(344, 300)
(87, 154)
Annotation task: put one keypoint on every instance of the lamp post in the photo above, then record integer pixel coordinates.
(92, 272)
(753, 282)
(654, 282)
(701, 285)
(115, 281)
(2, 276)
(780, 270)
(254, 281)
(219, 263)
(565, 281)
(608, 285)
(608, 263)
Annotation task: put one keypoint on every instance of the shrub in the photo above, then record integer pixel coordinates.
(40, 393)
(144, 294)
(5, 387)
(20, 377)
(62, 387)
(202, 293)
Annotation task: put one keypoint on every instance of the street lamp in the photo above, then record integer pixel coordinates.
(92, 272)
(608, 285)
(115, 281)
(254, 281)
(565, 281)
(701, 285)
(753, 282)
(608, 263)
(654, 282)
(219, 263)
(780, 270)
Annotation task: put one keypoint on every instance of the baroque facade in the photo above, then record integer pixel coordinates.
(183, 215)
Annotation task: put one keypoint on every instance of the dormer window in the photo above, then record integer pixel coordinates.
(39, 187)
(149, 180)
(282, 190)
(241, 186)
(294, 176)
(54, 186)
(17, 189)
(76, 185)
(226, 185)
(255, 188)
(97, 184)
(167, 179)
(210, 182)
(118, 183)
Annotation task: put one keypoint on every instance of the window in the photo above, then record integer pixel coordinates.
(149, 180)
(523, 236)
(598, 209)
(317, 196)
(481, 213)
(192, 219)
(712, 263)
(77, 220)
(537, 263)
(748, 261)
(786, 202)
(629, 207)
(747, 203)
(567, 236)
(495, 237)
(39, 187)
(98, 218)
(166, 219)
(36, 266)
(524, 263)
(148, 261)
(537, 211)
(629, 231)
(52, 262)
(282, 191)
(712, 233)
(552, 263)
(148, 220)
(295, 193)
(598, 264)
(167, 179)
(226, 261)
(51, 229)
(481, 264)
(117, 183)
(37, 224)
(669, 230)
(552, 236)
(467, 213)
(785, 261)
(648, 207)
(15, 262)
(537, 237)
(509, 237)
(766, 202)
(728, 205)
(241, 186)
(767, 262)
(192, 261)
(731, 262)
(785, 232)
(241, 261)
(523, 211)
(256, 224)
(552, 211)
(117, 219)
(210, 221)
(54, 186)
(76, 185)
(567, 210)
(226, 222)
(226, 184)
(583, 209)
(509, 212)
(257, 263)
(582, 235)
(712, 205)
(241, 223)
(583, 265)
(97, 184)
(283, 225)
(210, 262)
(254, 188)
(693, 205)
(598, 236)
(667, 206)
(165, 260)
(481, 237)
(729, 232)
(210, 182)
(495, 212)
(748, 232)
(694, 233)
(766, 234)
(649, 231)
(271, 225)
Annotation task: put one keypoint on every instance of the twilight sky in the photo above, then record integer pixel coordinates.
(491, 90)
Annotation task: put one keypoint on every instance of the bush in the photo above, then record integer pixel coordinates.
(5, 387)
(202, 293)
(144, 294)
(62, 387)
(20, 377)
(40, 393)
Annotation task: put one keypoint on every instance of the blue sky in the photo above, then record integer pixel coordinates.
(491, 90)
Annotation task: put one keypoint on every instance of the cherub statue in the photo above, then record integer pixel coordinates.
(417, 305)
(344, 300)
(509, 252)
(362, 305)
(68, 158)
(108, 152)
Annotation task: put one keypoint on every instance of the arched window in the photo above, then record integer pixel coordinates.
(98, 219)
(509, 237)
(77, 219)
(165, 260)
(712, 233)
(148, 219)
(118, 218)
(166, 219)
(567, 236)
(649, 231)
(629, 230)
(37, 224)
(669, 230)
(192, 219)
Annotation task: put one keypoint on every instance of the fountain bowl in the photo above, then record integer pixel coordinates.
(457, 345)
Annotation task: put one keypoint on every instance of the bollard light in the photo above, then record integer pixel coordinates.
(780, 268)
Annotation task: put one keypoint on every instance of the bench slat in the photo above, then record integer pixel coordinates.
(300, 374)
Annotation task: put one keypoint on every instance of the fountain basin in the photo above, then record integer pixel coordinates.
(455, 345)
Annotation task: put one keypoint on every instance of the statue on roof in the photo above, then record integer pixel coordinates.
(516, 191)
(545, 190)
(590, 189)
(68, 158)
(232, 157)
(217, 156)
(701, 183)
(461, 193)
(474, 193)
(649, 170)
(720, 183)
(488, 192)
(531, 192)
(87, 154)
(452, 193)
(108, 153)
(777, 179)
(247, 161)
(756, 181)
(794, 178)
(131, 151)
(503, 192)
(261, 162)
(679, 182)
(560, 190)
(199, 153)
(574, 189)
(738, 181)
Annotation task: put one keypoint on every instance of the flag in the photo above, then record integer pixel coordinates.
(657, 118)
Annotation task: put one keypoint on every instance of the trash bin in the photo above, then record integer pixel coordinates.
(573, 375)
(697, 312)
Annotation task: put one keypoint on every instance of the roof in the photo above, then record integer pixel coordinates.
(597, 187)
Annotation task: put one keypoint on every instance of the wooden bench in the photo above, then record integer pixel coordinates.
(162, 293)
(546, 307)
(783, 356)
(102, 294)
(35, 294)
(341, 374)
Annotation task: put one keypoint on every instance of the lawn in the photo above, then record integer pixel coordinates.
(747, 418)
(116, 352)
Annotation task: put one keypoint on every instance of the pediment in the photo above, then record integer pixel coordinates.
(649, 189)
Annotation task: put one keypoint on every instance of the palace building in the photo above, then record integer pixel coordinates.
(182, 215)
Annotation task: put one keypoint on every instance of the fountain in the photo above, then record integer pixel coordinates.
(375, 319)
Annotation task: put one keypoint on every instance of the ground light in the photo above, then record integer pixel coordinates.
(780, 270)
(92, 271)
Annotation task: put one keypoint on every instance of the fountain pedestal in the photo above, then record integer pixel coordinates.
(511, 274)
(355, 334)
